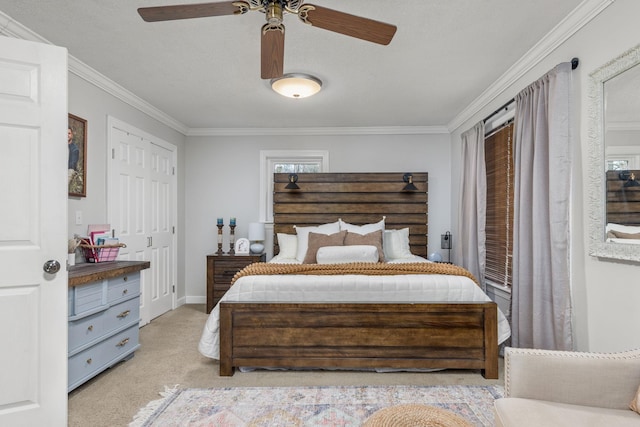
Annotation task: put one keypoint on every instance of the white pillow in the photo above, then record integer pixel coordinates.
(346, 254)
(622, 228)
(396, 244)
(281, 260)
(362, 229)
(288, 244)
(303, 236)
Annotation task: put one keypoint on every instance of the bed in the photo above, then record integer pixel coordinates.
(402, 314)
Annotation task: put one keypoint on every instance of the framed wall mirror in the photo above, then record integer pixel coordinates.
(614, 158)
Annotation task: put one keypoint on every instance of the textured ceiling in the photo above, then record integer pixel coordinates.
(205, 72)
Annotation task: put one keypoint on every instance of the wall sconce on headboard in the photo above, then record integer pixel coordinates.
(293, 178)
(630, 179)
(408, 178)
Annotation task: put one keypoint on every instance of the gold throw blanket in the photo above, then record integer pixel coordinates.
(362, 268)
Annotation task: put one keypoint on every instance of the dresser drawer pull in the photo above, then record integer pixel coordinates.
(89, 360)
(124, 314)
(123, 342)
(125, 278)
(125, 291)
(90, 328)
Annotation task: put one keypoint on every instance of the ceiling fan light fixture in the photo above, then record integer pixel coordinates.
(296, 85)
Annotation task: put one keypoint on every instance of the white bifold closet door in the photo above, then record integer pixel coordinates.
(142, 211)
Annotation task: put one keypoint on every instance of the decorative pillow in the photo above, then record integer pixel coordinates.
(316, 241)
(362, 229)
(346, 254)
(303, 236)
(622, 235)
(396, 244)
(635, 403)
(371, 239)
(288, 244)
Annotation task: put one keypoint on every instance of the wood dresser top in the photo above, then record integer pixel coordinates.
(81, 274)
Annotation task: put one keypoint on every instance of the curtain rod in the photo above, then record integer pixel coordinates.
(574, 64)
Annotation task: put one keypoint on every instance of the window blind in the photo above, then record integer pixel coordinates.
(499, 214)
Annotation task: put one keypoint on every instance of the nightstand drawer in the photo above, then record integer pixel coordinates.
(220, 271)
(225, 275)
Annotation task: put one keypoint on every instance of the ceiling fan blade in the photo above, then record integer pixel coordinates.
(349, 25)
(272, 51)
(187, 11)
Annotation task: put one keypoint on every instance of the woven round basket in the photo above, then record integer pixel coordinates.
(415, 416)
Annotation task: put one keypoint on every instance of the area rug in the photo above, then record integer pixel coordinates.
(308, 406)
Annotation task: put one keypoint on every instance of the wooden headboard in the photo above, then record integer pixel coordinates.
(623, 203)
(357, 198)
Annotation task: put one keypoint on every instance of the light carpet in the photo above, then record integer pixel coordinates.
(308, 406)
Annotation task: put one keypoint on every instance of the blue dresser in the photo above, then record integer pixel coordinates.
(104, 316)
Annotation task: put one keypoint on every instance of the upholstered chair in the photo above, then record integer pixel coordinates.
(561, 388)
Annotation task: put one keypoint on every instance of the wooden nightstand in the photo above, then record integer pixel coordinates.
(220, 271)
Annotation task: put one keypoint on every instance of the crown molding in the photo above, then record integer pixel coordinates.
(382, 130)
(12, 28)
(87, 73)
(571, 24)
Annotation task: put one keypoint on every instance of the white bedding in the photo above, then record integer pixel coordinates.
(352, 288)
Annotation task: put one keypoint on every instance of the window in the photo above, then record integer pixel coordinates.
(622, 157)
(499, 222)
(288, 161)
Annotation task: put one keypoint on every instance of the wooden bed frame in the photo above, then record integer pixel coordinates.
(461, 335)
(359, 336)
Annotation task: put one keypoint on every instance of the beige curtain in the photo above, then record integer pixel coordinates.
(541, 300)
(472, 203)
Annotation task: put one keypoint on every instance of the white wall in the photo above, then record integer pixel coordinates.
(94, 105)
(222, 180)
(606, 294)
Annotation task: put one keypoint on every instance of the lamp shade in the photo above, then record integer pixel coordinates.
(256, 231)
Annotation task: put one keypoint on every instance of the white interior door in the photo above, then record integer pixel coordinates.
(33, 230)
(142, 211)
(161, 230)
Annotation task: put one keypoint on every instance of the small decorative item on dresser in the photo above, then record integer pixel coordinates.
(220, 224)
(72, 246)
(232, 236)
(242, 246)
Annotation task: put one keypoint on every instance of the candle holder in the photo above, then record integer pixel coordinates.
(232, 239)
(220, 239)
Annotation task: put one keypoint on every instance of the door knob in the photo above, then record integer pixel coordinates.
(52, 266)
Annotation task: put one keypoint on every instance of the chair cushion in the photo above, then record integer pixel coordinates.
(535, 413)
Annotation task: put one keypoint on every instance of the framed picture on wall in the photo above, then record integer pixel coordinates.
(77, 142)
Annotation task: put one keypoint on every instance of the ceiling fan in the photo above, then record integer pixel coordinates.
(272, 45)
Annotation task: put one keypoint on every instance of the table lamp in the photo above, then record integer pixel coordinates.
(256, 237)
